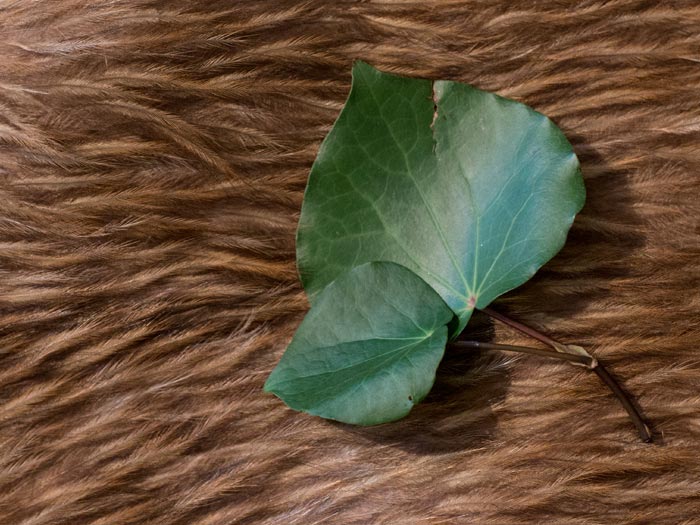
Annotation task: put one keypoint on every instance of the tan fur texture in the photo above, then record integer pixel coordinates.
(153, 157)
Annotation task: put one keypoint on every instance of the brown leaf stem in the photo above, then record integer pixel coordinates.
(592, 363)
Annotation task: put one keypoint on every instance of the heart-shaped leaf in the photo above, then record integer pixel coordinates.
(471, 191)
(367, 350)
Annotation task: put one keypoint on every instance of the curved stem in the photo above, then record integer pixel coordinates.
(593, 364)
(527, 330)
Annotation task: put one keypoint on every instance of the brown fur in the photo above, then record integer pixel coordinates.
(153, 157)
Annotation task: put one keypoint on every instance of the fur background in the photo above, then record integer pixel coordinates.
(153, 157)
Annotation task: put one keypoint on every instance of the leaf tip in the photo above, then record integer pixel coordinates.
(361, 66)
(269, 385)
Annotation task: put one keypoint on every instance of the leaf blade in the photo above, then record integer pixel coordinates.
(422, 174)
(359, 187)
(343, 364)
(537, 170)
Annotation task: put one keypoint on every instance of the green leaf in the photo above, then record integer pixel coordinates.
(367, 350)
(471, 191)
(459, 194)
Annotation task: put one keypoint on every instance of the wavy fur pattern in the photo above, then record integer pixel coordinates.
(153, 157)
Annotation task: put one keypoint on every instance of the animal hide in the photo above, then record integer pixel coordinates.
(153, 157)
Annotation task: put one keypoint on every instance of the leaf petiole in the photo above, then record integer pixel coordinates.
(527, 330)
(573, 358)
(590, 362)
